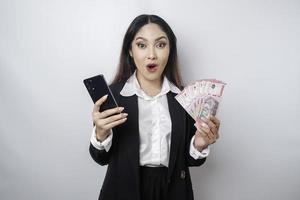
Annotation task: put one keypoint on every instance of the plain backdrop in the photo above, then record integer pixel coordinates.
(48, 47)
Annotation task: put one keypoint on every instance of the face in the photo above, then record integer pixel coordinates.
(150, 52)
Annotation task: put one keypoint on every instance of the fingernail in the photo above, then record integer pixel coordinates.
(125, 114)
(105, 96)
(121, 109)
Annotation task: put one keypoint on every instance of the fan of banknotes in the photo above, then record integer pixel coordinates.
(201, 98)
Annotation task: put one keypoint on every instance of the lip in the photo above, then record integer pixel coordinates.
(152, 67)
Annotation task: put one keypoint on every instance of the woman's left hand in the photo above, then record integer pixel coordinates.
(207, 132)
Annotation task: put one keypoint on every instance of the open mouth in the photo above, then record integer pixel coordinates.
(151, 67)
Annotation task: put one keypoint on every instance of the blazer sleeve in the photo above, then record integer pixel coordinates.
(190, 132)
(99, 156)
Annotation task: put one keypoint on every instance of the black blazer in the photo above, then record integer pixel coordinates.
(122, 181)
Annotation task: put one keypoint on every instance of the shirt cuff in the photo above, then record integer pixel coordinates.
(197, 154)
(105, 144)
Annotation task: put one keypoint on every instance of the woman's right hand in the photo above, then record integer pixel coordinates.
(106, 120)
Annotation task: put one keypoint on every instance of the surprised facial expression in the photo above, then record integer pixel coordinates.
(150, 51)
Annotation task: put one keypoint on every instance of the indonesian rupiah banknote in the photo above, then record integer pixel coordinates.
(201, 98)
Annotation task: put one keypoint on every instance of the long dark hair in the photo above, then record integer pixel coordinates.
(126, 64)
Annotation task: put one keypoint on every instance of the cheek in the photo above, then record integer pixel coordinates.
(165, 56)
(138, 55)
(139, 61)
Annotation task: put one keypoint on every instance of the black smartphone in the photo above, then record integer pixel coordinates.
(97, 87)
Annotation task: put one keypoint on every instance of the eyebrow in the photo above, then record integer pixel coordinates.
(161, 37)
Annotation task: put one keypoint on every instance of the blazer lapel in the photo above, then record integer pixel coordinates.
(177, 118)
(131, 126)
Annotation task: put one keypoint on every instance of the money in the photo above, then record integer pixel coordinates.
(201, 98)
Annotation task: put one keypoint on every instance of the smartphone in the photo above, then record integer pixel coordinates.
(97, 88)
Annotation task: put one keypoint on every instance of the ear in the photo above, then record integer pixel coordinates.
(130, 52)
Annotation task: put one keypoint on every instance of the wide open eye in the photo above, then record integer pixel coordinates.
(161, 44)
(141, 45)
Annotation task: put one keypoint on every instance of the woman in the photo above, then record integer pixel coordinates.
(150, 141)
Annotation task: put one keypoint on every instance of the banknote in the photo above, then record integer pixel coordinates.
(201, 98)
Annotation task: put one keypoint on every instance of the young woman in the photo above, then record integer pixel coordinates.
(150, 141)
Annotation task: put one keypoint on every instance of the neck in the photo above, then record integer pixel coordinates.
(151, 88)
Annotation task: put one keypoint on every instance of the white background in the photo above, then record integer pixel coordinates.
(48, 47)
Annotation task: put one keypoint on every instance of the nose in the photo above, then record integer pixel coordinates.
(151, 53)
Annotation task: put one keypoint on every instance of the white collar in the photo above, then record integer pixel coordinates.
(132, 87)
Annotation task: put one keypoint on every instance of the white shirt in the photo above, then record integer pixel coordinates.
(155, 125)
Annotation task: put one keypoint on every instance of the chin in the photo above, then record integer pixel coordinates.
(153, 76)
